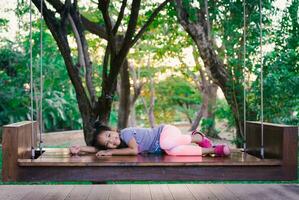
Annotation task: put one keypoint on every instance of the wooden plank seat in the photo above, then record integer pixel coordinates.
(61, 157)
(280, 161)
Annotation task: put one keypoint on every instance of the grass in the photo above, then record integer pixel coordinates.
(154, 182)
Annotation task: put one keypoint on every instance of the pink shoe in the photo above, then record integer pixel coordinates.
(205, 142)
(222, 150)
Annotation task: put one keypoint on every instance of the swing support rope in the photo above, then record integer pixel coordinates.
(40, 114)
(244, 74)
(261, 80)
(31, 85)
(41, 77)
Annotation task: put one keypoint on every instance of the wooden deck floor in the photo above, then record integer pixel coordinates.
(149, 192)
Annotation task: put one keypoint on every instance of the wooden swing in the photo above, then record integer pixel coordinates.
(280, 162)
(270, 154)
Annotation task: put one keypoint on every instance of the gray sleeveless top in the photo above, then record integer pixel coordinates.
(148, 139)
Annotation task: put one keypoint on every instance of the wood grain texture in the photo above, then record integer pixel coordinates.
(160, 192)
(180, 191)
(59, 165)
(100, 192)
(140, 191)
(36, 192)
(61, 157)
(157, 191)
(16, 143)
(221, 192)
(280, 142)
(121, 192)
(155, 173)
(79, 192)
(201, 192)
(9, 154)
(15, 192)
(58, 192)
(264, 191)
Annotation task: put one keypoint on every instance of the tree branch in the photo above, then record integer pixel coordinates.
(83, 47)
(201, 72)
(89, 25)
(57, 4)
(105, 66)
(120, 17)
(94, 28)
(78, 41)
(63, 45)
(197, 32)
(149, 21)
(103, 7)
(136, 86)
(131, 28)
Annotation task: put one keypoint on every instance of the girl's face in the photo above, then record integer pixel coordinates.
(109, 139)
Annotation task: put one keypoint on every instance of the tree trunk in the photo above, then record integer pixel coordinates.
(152, 104)
(132, 117)
(201, 113)
(209, 92)
(71, 22)
(137, 86)
(59, 33)
(124, 97)
(207, 110)
(212, 94)
(151, 116)
(220, 74)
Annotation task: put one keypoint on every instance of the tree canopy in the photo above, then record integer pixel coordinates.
(162, 50)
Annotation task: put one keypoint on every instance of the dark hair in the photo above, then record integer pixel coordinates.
(99, 129)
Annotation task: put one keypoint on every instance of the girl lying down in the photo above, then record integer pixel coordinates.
(166, 139)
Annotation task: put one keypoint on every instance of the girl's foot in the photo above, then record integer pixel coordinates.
(222, 150)
(205, 142)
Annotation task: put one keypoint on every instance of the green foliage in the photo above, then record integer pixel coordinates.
(113, 118)
(3, 24)
(176, 95)
(223, 112)
(238, 141)
(176, 98)
(13, 97)
(280, 74)
(60, 109)
(206, 124)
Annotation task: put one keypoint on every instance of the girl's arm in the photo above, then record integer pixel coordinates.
(88, 149)
(131, 150)
(83, 149)
(124, 151)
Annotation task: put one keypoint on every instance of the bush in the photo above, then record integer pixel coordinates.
(223, 112)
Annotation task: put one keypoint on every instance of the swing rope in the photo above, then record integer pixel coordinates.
(244, 74)
(40, 114)
(261, 78)
(261, 84)
(41, 77)
(31, 85)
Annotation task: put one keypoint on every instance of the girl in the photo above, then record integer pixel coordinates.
(162, 139)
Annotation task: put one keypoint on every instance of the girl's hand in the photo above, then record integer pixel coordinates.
(75, 149)
(103, 153)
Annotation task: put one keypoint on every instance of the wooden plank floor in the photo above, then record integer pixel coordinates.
(150, 192)
(61, 157)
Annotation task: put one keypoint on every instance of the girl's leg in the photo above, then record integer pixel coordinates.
(185, 150)
(192, 150)
(171, 137)
(175, 143)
